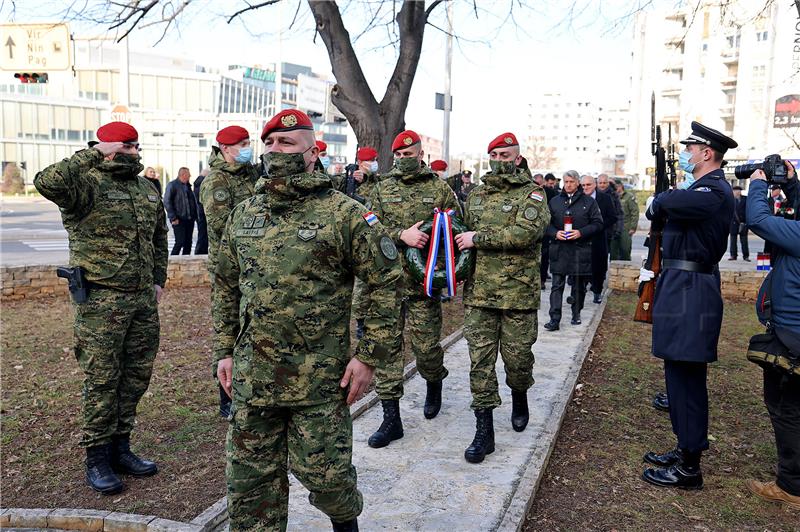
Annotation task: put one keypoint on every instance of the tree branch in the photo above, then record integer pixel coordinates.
(252, 7)
(432, 7)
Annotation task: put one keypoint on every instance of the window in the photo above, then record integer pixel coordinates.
(761, 36)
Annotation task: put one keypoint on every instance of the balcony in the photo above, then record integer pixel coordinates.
(726, 111)
(730, 56)
(729, 82)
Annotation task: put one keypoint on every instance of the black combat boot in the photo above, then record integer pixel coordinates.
(392, 427)
(124, 461)
(519, 410)
(661, 401)
(348, 526)
(433, 399)
(483, 443)
(98, 471)
(684, 475)
(360, 328)
(224, 403)
(551, 325)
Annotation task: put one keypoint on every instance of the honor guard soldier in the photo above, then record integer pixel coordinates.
(687, 311)
(365, 177)
(118, 252)
(506, 217)
(403, 200)
(284, 283)
(231, 179)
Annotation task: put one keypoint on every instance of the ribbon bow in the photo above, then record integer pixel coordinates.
(442, 229)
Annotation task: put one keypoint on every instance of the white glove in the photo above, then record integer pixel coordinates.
(645, 275)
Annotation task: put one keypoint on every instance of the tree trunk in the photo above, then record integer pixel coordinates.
(375, 124)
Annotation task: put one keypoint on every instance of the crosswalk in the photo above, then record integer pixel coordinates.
(62, 244)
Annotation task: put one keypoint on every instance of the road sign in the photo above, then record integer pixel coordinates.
(34, 47)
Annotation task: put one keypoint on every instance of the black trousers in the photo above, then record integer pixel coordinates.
(183, 237)
(578, 293)
(688, 403)
(782, 397)
(544, 265)
(743, 238)
(201, 247)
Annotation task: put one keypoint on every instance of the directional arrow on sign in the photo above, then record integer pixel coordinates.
(10, 43)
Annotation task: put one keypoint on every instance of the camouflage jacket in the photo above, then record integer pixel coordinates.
(509, 215)
(283, 289)
(630, 211)
(225, 186)
(400, 201)
(115, 220)
(363, 189)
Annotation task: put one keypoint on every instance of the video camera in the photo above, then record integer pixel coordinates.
(773, 166)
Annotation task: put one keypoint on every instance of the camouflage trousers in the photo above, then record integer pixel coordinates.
(263, 442)
(116, 340)
(424, 318)
(621, 247)
(514, 332)
(361, 299)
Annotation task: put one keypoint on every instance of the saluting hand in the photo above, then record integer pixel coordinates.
(358, 376)
(107, 148)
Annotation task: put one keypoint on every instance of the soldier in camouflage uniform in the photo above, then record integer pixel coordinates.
(231, 179)
(403, 200)
(281, 312)
(118, 236)
(621, 247)
(506, 216)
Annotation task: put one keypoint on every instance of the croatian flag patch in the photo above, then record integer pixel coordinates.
(370, 218)
(536, 196)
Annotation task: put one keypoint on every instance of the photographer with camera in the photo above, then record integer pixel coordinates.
(778, 307)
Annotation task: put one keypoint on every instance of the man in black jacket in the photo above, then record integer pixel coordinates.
(181, 211)
(571, 249)
(738, 225)
(201, 248)
(600, 240)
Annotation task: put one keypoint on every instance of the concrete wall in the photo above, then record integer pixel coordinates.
(737, 285)
(24, 282)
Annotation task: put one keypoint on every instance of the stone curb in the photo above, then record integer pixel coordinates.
(514, 517)
(89, 520)
(217, 514)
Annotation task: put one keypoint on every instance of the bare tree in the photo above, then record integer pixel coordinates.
(540, 155)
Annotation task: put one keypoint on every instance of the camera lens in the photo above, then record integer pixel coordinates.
(744, 171)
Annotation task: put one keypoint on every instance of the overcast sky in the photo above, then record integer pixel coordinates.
(577, 45)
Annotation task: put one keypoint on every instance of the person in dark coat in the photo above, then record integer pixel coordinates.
(150, 174)
(600, 240)
(181, 211)
(571, 248)
(738, 225)
(544, 264)
(687, 310)
(201, 247)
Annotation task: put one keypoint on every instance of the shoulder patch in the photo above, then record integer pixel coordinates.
(702, 189)
(370, 218)
(536, 196)
(152, 198)
(530, 213)
(220, 194)
(388, 248)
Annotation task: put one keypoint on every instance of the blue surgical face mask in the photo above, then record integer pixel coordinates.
(683, 162)
(326, 161)
(245, 155)
(373, 166)
(687, 181)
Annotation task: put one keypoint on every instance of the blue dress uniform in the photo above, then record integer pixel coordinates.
(687, 311)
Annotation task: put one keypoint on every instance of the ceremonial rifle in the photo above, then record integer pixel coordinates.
(350, 188)
(647, 289)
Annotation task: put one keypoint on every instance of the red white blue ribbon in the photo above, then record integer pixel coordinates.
(442, 230)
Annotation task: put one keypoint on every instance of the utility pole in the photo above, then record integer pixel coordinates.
(448, 64)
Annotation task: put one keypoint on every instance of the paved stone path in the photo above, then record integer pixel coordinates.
(422, 481)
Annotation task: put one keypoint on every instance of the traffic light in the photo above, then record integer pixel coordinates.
(32, 77)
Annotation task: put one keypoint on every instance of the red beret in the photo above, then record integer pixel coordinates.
(232, 135)
(117, 132)
(287, 120)
(366, 154)
(438, 165)
(404, 140)
(322, 145)
(503, 141)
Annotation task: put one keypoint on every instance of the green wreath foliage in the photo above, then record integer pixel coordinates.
(464, 259)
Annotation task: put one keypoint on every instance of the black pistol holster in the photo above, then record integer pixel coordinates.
(76, 278)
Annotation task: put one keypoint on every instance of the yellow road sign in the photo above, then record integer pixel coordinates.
(35, 47)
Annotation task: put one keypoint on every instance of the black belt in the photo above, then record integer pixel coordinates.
(688, 266)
